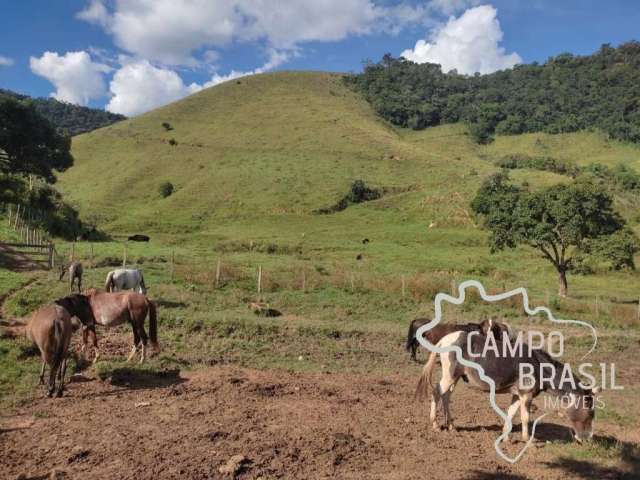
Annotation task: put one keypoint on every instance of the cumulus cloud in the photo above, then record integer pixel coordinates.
(139, 86)
(5, 61)
(469, 44)
(449, 7)
(276, 58)
(171, 31)
(95, 12)
(76, 77)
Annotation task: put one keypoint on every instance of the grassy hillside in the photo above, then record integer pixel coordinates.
(254, 157)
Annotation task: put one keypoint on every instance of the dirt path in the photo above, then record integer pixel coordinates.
(227, 422)
(16, 261)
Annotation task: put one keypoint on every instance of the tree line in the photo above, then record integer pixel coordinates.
(68, 119)
(565, 94)
(32, 150)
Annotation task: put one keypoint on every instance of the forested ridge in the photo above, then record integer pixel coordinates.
(69, 119)
(565, 94)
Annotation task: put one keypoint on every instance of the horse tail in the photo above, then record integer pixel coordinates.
(411, 336)
(59, 341)
(153, 325)
(425, 379)
(143, 288)
(109, 283)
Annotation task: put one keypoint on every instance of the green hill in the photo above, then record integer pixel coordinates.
(252, 159)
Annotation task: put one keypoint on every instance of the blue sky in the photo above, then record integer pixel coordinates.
(134, 55)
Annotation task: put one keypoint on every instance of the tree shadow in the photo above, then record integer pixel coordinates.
(484, 475)
(170, 304)
(134, 379)
(627, 453)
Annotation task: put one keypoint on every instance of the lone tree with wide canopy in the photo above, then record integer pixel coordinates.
(557, 221)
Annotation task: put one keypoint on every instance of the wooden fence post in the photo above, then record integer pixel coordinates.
(72, 255)
(91, 255)
(173, 263)
(9, 216)
(597, 308)
(51, 256)
(15, 224)
(218, 265)
(259, 279)
(124, 256)
(304, 281)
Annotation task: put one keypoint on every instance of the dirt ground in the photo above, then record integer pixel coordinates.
(228, 422)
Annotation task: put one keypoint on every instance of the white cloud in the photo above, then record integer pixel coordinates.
(449, 7)
(139, 86)
(76, 77)
(469, 43)
(276, 58)
(96, 13)
(172, 31)
(5, 61)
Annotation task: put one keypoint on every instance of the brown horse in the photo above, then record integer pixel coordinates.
(50, 328)
(75, 273)
(112, 309)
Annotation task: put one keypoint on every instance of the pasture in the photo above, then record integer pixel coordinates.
(328, 386)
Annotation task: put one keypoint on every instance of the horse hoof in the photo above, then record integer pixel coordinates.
(435, 426)
(59, 393)
(451, 428)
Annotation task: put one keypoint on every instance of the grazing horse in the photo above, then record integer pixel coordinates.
(75, 273)
(50, 328)
(504, 370)
(442, 329)
(112, 309)
(125, 279)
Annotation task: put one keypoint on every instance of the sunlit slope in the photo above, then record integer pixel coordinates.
(267, 150)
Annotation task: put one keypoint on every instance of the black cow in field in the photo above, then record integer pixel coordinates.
(139, 238)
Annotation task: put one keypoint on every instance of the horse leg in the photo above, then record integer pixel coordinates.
(446, 387)
(511, 411)
(61, 374)
(52, 380)
(525, 405)
(143, 340)
(136, 340)
(44, 364)
(80, 284)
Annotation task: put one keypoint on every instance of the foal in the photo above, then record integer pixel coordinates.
(50, 328)
(75, 273)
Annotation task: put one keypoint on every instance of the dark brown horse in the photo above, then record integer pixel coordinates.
(50, 328)
(442, 329)
(112, 309)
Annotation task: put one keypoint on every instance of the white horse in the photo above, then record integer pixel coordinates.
(125, 279)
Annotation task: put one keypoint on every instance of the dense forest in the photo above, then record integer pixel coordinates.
(565, 94)
(69, 119)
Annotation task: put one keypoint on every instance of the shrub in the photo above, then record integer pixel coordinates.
(166, 189)
(167, 126)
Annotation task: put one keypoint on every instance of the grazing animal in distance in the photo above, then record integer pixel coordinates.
(112, 309)
(435, 334)
(75, 273)
(50, 328)
(504, 368)
(365, 241)
(139, 238)
(125, 279)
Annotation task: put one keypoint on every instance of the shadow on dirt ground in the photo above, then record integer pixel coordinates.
(134, 379)
(629, 456)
